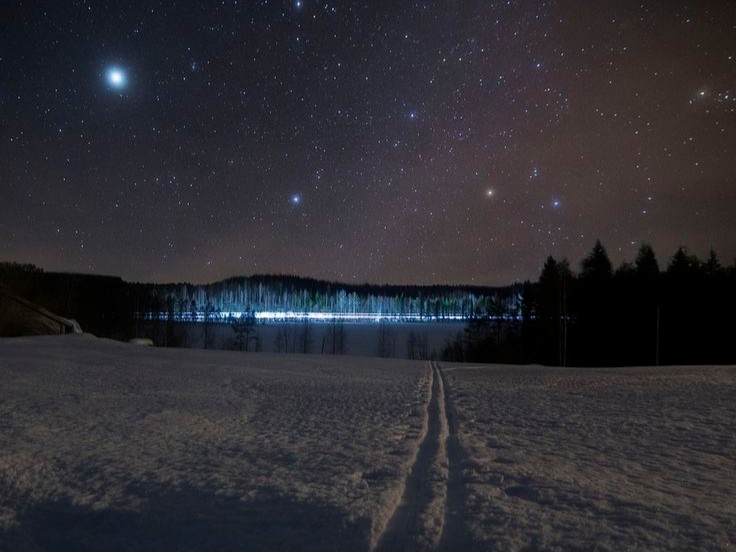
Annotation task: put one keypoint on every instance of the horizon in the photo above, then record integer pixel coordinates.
(255, 275)
(617, 262)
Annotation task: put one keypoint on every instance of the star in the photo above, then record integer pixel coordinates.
(116, 77)
(374, 126)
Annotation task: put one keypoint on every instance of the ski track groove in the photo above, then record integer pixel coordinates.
(429, 515)
(454, 535)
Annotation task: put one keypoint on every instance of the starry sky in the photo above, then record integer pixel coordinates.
(386, 141)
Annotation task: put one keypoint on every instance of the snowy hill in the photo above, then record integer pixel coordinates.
(110, 446)
(21, 317)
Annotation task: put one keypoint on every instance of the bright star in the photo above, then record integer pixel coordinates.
(296, 199)
(116, 77)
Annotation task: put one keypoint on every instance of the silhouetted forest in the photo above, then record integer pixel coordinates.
(103, 305)
(301, 295)
(635, 315)
(109, 306)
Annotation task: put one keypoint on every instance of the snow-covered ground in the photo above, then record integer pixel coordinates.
(110, 446)
(616, 459)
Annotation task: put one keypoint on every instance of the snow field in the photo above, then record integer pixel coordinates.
(109, 446)
(583, 459)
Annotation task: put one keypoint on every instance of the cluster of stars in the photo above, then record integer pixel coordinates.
(395, 142)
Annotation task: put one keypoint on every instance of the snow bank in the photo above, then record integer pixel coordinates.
(619, 459)
(109, 446)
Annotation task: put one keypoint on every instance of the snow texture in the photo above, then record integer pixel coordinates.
(584, 459)
(110, 446)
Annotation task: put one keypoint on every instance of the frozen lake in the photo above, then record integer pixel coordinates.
(391, 340)
(110, 446)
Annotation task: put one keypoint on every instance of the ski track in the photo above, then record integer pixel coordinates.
(454, 535)
(429, 515)
(107, 446)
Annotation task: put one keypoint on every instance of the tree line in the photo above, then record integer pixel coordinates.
(110, 307)
(635, 315)
(273, 293)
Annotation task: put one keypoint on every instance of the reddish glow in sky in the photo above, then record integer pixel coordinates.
(403, 142)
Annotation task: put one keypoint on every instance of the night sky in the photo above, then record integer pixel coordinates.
(402, 141)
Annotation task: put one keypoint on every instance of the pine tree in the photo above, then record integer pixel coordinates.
(646, 265)
(597, 265)
(596, 322)
(553, 311)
